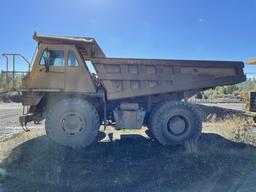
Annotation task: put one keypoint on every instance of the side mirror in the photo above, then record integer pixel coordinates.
(46, 64)
(46, 60)
(251, 61)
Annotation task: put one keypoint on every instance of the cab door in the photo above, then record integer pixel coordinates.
(77, 75)
(54, 76)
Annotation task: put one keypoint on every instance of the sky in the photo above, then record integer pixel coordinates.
(164, 29)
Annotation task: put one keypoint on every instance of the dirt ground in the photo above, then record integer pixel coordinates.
(128, 162)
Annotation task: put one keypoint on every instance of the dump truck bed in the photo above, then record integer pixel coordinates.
(123, 78)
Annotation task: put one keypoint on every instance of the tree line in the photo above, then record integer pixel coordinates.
(237, 90)
(8, 83)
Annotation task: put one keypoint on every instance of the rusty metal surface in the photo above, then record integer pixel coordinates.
(129, 116)
(125, 78)
(88, 47)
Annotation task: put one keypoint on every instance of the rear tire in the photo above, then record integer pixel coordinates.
(73, 123)
(175, 122)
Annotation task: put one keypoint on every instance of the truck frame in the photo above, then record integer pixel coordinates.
(123, 93)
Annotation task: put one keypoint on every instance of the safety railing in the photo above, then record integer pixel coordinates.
(10, 77)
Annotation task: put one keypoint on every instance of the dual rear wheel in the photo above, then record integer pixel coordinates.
(175, 122)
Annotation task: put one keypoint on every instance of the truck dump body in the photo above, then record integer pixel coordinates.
(123, 78)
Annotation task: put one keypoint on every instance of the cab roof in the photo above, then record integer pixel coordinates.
(88, 47)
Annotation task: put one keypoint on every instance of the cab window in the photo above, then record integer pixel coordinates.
(72, 61)
(54, 58)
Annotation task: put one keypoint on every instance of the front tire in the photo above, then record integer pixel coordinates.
(73, 123)
(175, 122)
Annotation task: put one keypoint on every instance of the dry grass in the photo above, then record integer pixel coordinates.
(6, 146)
(135, 163)
(235, 128)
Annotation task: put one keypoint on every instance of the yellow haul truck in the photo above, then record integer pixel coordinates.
(252, 94)
(124, 93)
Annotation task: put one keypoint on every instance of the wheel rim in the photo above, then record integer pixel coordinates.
(72, 123)
(177, 125)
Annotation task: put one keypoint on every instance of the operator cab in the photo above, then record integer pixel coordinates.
(60, 64)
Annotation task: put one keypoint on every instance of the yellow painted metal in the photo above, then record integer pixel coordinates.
(251, 61)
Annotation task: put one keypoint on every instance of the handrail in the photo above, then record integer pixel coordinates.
(13, 71)
(7, 60)
(14, 55)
